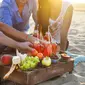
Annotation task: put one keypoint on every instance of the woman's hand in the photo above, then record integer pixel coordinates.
(53, 27)
(55, 24)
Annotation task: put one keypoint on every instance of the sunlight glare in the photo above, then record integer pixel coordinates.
(0, 0)
(76, 1)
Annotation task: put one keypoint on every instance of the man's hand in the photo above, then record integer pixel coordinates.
(25, 46)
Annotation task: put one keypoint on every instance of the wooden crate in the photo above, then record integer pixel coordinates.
(38, 75)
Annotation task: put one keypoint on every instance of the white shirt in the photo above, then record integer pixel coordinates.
(56, 33)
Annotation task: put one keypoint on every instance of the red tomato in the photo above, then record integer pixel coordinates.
(40, 55)
(34, 52)
(37, 46)
(42, 48)
(47, 37)
(48, 50)
(54, 48)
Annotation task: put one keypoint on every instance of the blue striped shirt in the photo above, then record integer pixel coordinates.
(10, 15)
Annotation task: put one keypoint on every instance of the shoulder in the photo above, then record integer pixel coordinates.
(66, 3)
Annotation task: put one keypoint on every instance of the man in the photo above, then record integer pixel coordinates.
(15, 14)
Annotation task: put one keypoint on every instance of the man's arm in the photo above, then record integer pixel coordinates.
(25, 46)
(15, 34)
(4, 40)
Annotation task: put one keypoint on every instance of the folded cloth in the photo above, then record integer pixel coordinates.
(77, 58)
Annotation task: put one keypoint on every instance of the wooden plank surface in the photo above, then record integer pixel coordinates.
(38, 75)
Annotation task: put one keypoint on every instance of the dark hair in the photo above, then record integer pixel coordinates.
(43, 14)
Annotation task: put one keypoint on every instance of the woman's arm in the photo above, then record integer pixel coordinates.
(34, 11)
(65, 27)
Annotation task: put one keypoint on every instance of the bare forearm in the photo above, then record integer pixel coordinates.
(4, 40)
(65, 28)
(15, 34)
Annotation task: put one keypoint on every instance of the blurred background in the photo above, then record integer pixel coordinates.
(76, 34)
(78, 5)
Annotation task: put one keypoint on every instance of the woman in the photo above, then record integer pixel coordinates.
(56, 14)
(14, 14)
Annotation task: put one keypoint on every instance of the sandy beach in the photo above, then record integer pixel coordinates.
(77, 33)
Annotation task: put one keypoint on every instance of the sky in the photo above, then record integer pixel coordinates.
(77, 1)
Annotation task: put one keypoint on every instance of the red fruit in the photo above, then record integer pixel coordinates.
(47, 50)
(6, 59)
(40, 55)
(58, 48)
(47, 37)
(54, 48)
(34, 52)
(37, 46)
(42, 48)
(65, 56)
